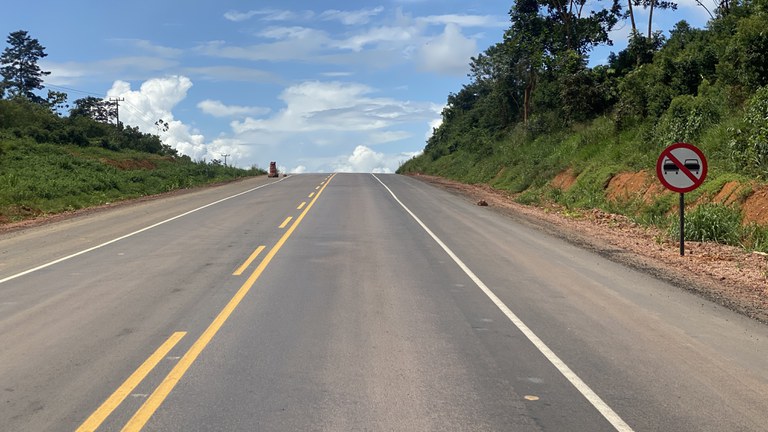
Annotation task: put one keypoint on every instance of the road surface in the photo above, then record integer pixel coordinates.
(353, 302)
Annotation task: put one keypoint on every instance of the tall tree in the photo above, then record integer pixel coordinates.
(98, 109)
(631, 13)
(21, 74)
(544, 30)
(527, 43)
(56, 101)
(651, 5)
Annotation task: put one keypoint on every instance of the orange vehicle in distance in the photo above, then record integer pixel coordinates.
(273, 170)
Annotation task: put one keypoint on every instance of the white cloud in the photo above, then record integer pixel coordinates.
(301, 169)
(150, 47)
(364, 159)
(155, 100)
(304, 48)
(379, 35)
(131, 67)
(267, 15)
(383, 137)
(358, 17)
(334, 106)
(218, 109)
(240, 16)
(295, 32)
(63, 73)
(449, 53)
(434, 124)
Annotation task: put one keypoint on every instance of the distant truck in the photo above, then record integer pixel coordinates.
(273, 170)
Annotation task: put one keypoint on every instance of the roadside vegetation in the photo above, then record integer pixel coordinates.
(55, 157)
(534, 110)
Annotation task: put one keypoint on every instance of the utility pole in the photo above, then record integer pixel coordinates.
(117, 101)
(225, 156)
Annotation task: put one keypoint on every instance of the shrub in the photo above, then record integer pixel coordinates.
(711, 222)
(749, 143)
(685, 119)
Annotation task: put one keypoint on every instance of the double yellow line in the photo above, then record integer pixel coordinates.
(154, 401)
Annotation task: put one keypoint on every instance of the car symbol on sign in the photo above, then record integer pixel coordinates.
(692, 165)
(670, 166)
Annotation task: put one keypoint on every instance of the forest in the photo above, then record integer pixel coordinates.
(534, 108)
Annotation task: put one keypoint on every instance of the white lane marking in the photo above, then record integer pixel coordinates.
(571, 376)
(91, 249)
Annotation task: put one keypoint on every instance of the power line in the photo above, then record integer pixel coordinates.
(74, 90)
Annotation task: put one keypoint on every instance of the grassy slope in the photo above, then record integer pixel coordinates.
(596, 151)
(47, 178)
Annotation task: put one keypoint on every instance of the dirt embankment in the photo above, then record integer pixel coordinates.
(727, 275)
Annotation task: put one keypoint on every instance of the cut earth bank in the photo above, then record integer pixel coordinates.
(727, 275)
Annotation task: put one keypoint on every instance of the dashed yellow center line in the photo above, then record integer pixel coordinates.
(112, 402)
(311, 195)
(301, 206)
(285, 222)
(152, 403)
(248, 262)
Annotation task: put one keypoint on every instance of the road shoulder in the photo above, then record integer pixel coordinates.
(726, 275)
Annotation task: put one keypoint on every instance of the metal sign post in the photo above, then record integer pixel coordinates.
(681, 168)
(682, 224)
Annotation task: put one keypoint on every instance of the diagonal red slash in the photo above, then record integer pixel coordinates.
(682, 166)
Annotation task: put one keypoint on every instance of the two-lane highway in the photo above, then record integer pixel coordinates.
(353, 302)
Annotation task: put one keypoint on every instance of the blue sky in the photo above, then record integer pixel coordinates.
(316, 86)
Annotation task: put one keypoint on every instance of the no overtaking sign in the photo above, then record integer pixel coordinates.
(681, 167)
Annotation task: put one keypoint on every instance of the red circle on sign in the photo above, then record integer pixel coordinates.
(667, 153)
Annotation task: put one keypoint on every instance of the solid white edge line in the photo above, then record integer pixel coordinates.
(91, 249)
(566, 371)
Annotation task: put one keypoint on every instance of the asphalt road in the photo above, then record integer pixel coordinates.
(382, 304)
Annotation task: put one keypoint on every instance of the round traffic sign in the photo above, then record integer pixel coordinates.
(681, 167)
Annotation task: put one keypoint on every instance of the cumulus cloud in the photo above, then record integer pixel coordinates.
(366, 160)
(363, 159)
(301, 169)
(448, 53)
(154, 100)
(218, 109)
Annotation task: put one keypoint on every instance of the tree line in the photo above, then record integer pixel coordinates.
(90, 121)
(538, 78)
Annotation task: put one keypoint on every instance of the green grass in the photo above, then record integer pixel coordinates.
(596, 151)
(711, 222)
(48, 178)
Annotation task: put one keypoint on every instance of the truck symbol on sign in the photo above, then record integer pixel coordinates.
(692, 165)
